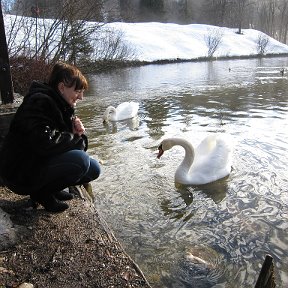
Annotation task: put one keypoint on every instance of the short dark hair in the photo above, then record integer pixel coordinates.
(69, 75)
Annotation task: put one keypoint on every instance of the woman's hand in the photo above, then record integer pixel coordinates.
(78, 127)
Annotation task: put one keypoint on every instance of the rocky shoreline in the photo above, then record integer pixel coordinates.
(71, 249)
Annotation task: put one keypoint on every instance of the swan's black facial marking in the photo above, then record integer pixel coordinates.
(161, 151)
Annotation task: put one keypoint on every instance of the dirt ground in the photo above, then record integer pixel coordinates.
(70, 249)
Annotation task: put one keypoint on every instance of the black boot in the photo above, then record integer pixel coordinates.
(63, 195)
(50, 203)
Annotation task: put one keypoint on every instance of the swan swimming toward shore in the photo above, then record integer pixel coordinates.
(209, 162)
(125, 110)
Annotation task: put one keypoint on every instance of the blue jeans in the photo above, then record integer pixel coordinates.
(74, 167)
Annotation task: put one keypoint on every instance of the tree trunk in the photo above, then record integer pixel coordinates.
(6, 86)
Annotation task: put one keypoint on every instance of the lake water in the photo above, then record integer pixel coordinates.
(230, 224)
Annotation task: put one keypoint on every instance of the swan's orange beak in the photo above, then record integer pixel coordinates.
(161, 151)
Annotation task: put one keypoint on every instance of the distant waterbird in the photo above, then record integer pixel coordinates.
(125, 110)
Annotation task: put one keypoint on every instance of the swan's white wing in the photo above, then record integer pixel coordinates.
(212, 159)
(127, 110)
(206, 145)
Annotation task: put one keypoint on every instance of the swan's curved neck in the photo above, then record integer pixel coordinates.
(182, 171)
(113, 109)
(110, 113)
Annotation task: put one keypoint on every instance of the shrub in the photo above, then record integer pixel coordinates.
(24, 70)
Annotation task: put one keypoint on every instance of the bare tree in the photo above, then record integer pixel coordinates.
(213, 40)
(66, 37)
(262, 43)
(283, 21)
(110, 46)
(89, 10)
(151, 10)
(271, 17)
(267, 17)
(128, 10)
(216, 12)
(239, 11)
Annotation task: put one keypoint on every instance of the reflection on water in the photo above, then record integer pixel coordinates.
(214, 235)
(114, 127)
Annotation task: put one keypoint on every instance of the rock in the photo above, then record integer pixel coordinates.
(26, 285)
(8, 235)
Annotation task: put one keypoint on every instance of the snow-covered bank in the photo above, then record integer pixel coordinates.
(159, 41)
(155, 41)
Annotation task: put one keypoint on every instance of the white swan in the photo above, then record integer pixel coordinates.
(210, 161)
(125, 110)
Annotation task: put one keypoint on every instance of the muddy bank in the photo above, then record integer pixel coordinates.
(71, 249)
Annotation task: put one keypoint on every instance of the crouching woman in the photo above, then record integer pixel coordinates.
(45, 149)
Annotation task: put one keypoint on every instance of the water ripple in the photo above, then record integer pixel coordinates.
(229, 225)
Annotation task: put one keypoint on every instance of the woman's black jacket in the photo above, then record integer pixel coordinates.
(41, 129)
